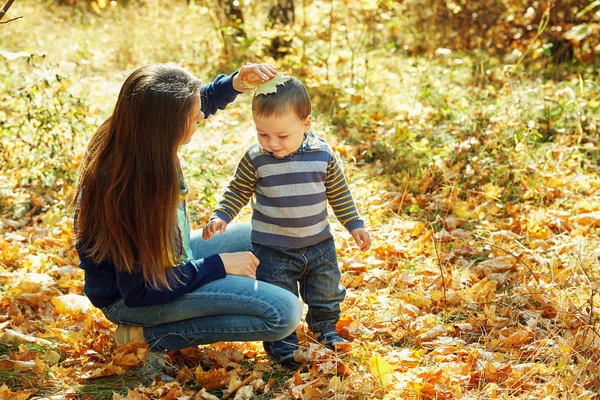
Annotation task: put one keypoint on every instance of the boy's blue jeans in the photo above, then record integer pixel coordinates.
(230, 309)
(315, 269)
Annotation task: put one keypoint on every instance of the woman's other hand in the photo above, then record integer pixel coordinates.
(253, 73)
(241, 264)
(214, 225)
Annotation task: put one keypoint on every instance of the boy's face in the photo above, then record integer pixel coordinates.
(281, 134)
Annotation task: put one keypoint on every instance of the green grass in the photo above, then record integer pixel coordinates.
(104, 388)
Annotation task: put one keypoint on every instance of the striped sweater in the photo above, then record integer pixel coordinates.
(290, 195)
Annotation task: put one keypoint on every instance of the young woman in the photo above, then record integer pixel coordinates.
(144, 269)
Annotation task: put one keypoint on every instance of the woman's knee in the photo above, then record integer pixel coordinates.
(289, 310)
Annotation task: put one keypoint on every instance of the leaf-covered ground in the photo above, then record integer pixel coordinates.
(482, 195)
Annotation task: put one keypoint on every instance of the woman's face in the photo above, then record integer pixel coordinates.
(196, 116)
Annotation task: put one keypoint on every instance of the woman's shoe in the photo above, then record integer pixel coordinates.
(122, 335)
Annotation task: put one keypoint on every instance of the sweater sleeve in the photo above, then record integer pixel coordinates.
(238, 193)
(184, 279)
(217, 94)
(340, 197)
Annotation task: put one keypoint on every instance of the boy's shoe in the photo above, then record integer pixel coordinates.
(329, 339)
(282, 352)
(289, 362)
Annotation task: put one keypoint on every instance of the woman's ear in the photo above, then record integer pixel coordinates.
(307, 123)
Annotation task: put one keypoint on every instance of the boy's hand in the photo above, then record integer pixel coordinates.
(253, 73)
(215, 225)
(362, 238)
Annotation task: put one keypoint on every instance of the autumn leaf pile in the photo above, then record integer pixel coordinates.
(479, 185)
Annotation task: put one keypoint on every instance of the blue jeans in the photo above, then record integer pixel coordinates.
(234, 308)
(316, 269)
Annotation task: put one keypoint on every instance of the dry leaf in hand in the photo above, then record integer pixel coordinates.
(270, 86)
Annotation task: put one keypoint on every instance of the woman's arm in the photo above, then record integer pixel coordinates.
(182, 279)
(224, 89)
(186, 278)
(217, 94)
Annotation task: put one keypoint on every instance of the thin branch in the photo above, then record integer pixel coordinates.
(5, 10)
(10, 20)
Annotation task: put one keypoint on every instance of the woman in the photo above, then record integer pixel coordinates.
(143, 268)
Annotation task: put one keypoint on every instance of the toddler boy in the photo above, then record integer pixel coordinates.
(293, 174)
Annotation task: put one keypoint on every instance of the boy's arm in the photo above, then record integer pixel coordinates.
(238, 193)
(340, 197)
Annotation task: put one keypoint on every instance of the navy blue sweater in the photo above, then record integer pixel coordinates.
(104, 285)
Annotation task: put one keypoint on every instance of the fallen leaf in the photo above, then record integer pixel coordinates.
(495, 265)
(495, 372)
(590, 219)
(211, 379)
(12, 336)
(7, 394)
(33, 282)
(70, 303)
(380, 368)
(432, 333)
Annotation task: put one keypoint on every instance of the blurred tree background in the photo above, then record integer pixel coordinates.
(344, 50)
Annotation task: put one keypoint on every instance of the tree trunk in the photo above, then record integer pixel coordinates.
(229, 22)
(281, 17)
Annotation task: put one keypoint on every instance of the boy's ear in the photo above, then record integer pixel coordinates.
(307, 123)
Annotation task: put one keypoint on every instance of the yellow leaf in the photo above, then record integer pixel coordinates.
(380, 368)
(538, 232)
(6, 393)
(496, 265)
(417, 230)
(33, 282)
(462, 211)
(437, 295)
(492, 191)
(432, 333)
(591, 219)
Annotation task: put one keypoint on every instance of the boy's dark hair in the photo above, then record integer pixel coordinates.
(290, 96)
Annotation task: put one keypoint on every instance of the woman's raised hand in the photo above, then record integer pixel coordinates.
(253, 73)
(241, 264)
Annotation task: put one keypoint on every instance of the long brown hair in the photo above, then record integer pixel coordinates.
(128, 190)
